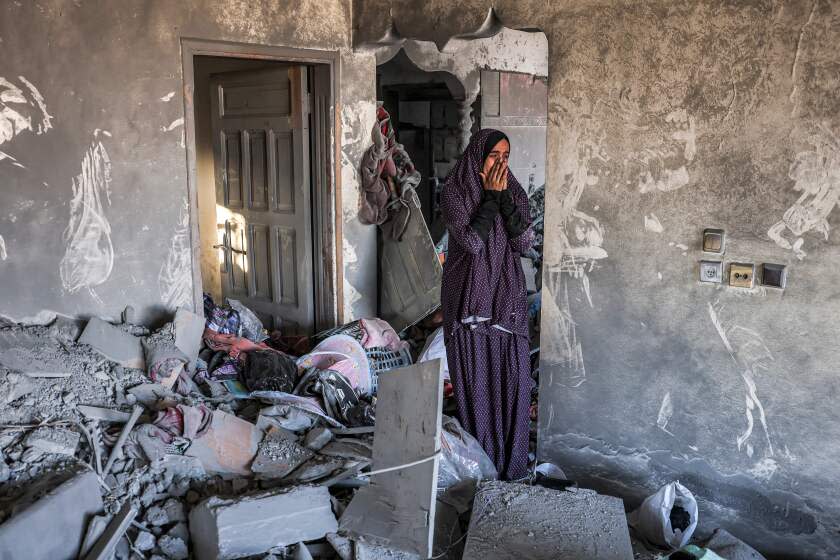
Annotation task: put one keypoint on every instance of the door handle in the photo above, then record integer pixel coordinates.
(227, 248)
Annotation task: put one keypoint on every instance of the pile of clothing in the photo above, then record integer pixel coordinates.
(335, 379)
(389, 180)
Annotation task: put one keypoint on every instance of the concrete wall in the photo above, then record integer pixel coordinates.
(664, 119)
(94, 211)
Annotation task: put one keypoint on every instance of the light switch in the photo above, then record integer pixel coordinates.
(773, 275)
(713, 241)
(741, 275)
(711, 271)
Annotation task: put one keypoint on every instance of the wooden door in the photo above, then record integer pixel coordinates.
(260, 123)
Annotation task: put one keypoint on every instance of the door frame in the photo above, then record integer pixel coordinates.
(327, 227)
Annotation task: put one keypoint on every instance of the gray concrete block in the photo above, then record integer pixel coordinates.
(114, 343)
(519, 521)
(317, 438)
(53, 440)
(53, 527)
(234, 528)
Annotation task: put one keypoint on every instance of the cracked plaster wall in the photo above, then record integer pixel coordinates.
(92, 159)
(667, 118)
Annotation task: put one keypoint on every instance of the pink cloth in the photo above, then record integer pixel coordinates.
(343, 354)
(379, 334)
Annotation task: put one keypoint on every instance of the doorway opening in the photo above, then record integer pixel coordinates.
(262, 180)
(435, 100)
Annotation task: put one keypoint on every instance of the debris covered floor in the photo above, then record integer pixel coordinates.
(210, 439)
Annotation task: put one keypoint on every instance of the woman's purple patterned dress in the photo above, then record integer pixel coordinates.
(488, 359)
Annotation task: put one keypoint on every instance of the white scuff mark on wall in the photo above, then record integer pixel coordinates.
(659, 275)
(681, 246)
(173, 125)
(12, 159)
(653, 224)
(99, 131)
(22, 108)
(175, 276)
(89, 254)
(764, 469)
(751, 356)
(168, 97)
(816, 174)
(579, 246)
(3, 254)
(666, 410)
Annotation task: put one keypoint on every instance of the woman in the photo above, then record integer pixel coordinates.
(484, 300)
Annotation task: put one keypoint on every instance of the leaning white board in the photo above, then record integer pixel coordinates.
(399, 506)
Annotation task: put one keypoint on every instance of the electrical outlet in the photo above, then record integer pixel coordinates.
(713, 241)
(711, 271)
(773, 275)
(741, 275)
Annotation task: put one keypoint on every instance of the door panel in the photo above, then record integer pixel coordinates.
(410, 273)
(261, 121)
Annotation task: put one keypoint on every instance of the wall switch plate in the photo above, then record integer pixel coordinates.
(711, 271)
(773, 275)
(741, 275)
(713, 240)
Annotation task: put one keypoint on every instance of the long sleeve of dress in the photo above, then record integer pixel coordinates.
(517, 220)
(469, 229)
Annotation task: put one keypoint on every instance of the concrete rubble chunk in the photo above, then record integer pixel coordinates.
(173, 547)
(279, 454)
(317, 438)
(53, 528)
(228, 447)
(49, 439)
(518, 521)
(144, 541)
(114, 343)
(234, 528)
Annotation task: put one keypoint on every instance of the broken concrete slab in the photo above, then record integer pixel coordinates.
(279, 454)
(101, 413)
(399, 505)
(348, 449)
(234, 528)
(15, 386)
(113, 343)
(53, 527)
(316, 468)
(189, 329)
(342, 545)
(519, 521)
(154, 396)
(53, 439)
(728, 546)
(229, 446)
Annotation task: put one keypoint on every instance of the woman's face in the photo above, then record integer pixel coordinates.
(500, 152)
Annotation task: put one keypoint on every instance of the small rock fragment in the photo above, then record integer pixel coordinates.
(145, 541)
(173, 547)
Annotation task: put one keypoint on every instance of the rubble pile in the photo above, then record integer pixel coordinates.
(186, 430)
(213, 439)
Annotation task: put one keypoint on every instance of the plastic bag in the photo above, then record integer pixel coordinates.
(462, 457)
(653, 518)
(434, 349)
(250, 326)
